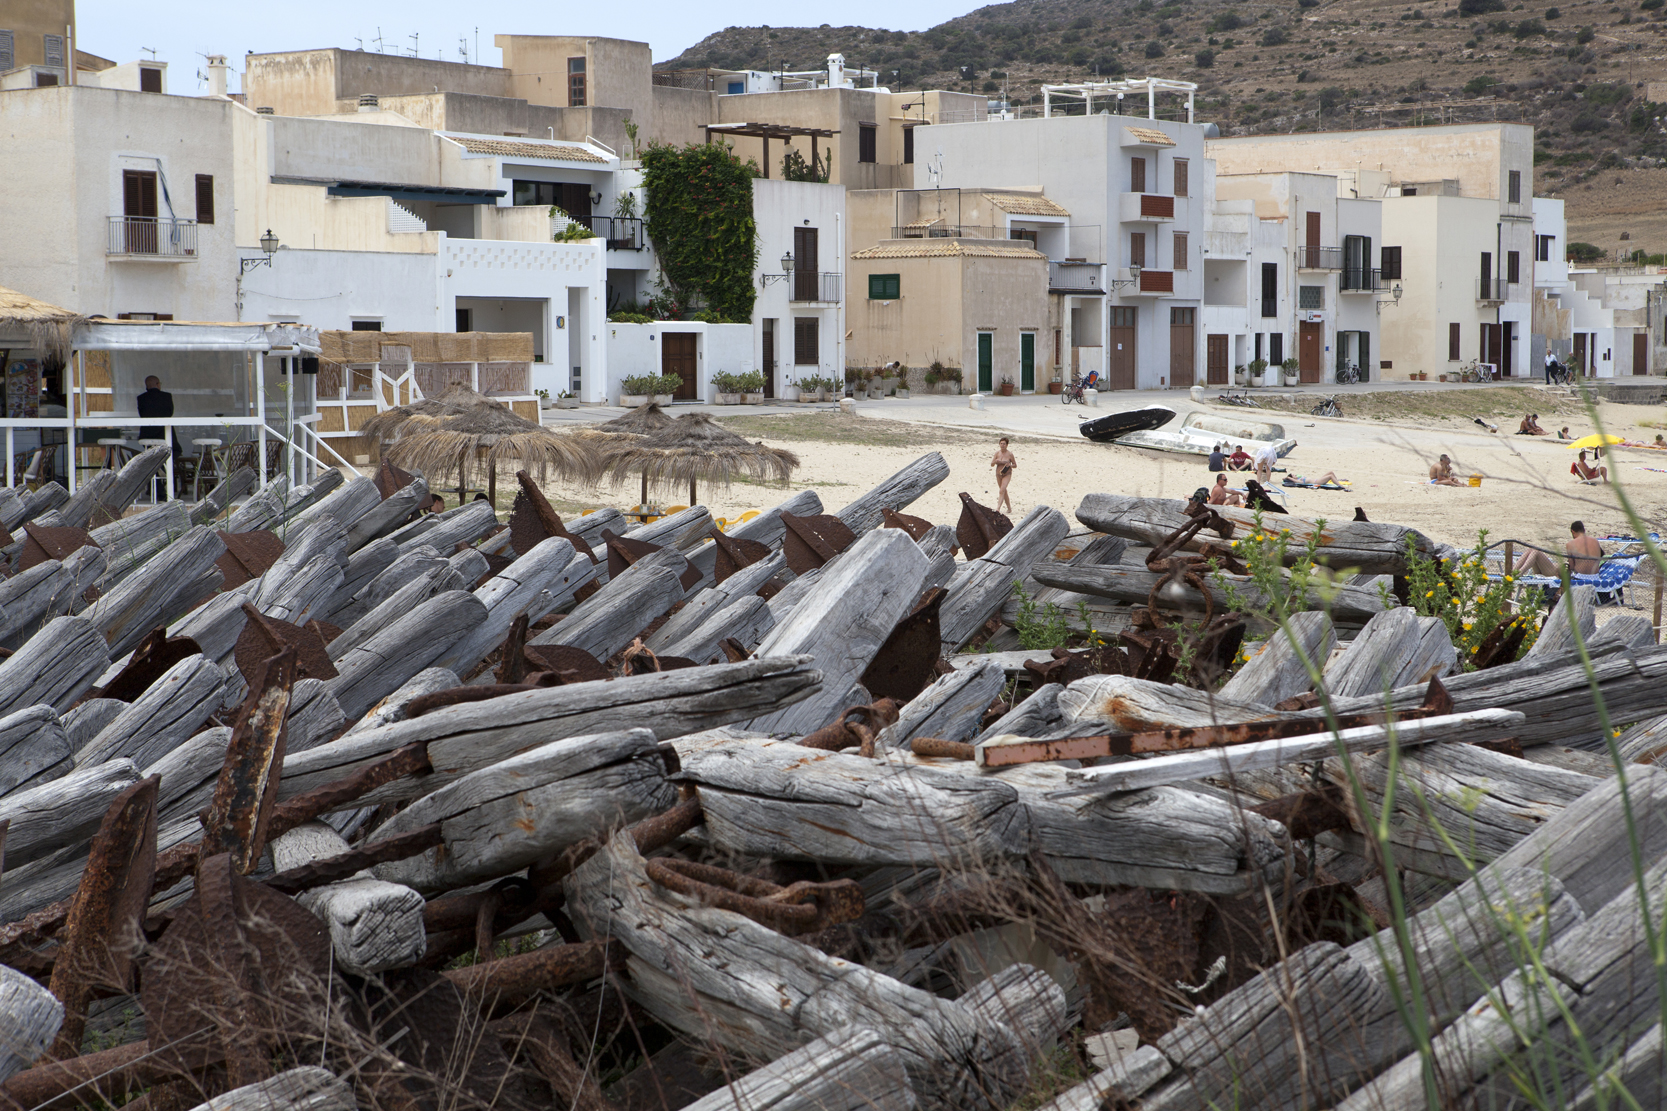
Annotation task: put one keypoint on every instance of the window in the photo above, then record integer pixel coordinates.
(1270, 289)
(139, 194)
(1310, 296)
(1180, 250)
(1515, 188)
(572, 198)
(884, 287)
(866, 149)
(53, 49)
(1137, 248)
(1137, 175)
(1028, 235)
(735, 87)
(205, 198)
(1276, 348)
(150, 79)
(1258, 345)
(1391, 263)
(908, 146)
(1513, 266)
(1453, 346)
(367, 325)
(6, 51)
(1542, 248)
(1180, 179)
(806, 341)
(465, 320)
(575, 82)
(1487, 266)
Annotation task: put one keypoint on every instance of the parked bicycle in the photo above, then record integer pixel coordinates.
(1241, 399)
(1328, 408)
(1073, 391)
(1348, 375)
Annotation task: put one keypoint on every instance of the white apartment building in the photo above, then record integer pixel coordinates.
(799, 316)
(1458, 220)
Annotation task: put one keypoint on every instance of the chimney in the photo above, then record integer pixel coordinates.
(217, 75)
(836, 71)
(367, 102)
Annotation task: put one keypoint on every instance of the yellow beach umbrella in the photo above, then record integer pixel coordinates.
(1594, 441)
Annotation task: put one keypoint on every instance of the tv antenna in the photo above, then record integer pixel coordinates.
(381, 46)
(149, 50)
(463, 47)
(361, 43)
(414, 53)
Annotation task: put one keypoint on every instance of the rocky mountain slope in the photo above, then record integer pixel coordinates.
(1580, 72)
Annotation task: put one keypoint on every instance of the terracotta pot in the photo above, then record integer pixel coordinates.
(1007, 389)
(1056, 387)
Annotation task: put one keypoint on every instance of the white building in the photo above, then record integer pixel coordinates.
(799, 316)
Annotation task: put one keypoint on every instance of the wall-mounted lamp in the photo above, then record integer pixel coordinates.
(595, 197)
(1395, 295)
(787, 262)
(269, 244)
(1119, 283)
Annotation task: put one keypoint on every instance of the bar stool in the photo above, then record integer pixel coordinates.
(161, 476)
(117, 451)
(207, 464)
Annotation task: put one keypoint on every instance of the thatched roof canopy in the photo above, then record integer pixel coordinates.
(645, 419)
(695, 447)
(461, 426)
(50, 329)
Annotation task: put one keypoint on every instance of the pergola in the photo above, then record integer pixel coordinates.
(768, 131)
(1086, 91)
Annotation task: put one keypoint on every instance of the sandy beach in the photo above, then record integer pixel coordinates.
(1526, 492)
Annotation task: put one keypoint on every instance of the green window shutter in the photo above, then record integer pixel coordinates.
(884, 287)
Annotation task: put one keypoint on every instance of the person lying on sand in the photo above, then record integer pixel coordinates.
(1563, 433)
(1485, 424)
(1221, 495)
(1329, 480)
(1442, 473)
(1587, 472)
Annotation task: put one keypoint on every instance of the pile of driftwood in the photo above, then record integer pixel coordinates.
(312, 800)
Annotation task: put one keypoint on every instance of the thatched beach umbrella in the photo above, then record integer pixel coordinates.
(692, 448)
(645, 419)
(436, 434)
(50, 329)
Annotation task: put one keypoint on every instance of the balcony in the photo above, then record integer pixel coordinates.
(1319, 258)
(1150, 283)
(1490, 291)
(1356, 279)
(1145, 208)
(1074, 277)
(152, 238)
(810, 286)
(623, 233)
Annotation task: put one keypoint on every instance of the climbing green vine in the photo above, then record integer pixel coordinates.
(699, 214)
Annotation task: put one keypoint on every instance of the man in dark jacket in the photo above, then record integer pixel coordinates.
(155, 402)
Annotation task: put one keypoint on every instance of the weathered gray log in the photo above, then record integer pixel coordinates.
(307, 1088)
(34, 749)
(1280, 670)
(1629, 630)
(684, 530)
(1369, 547)
(88, 718)
(394, 707)
(939, 540)
(303, 498)
(897, 492)
(435, 579)
(705, 602)
(388, 514)
(470, 564)
(1035, 716)
(347, 503)
(1182, 767)
(534, 584)
(688, 963)
(132, 479)
(854, 1068)
(1138, 705)
(362, 566)
(1123, 583)
(1394, 648)
(189, 773)
(950, 708)
(464, 525)
(1577, 608)
(171, 709)
(588, 527)
(55, 667)
(264, 509)
(215, 625)
(158, 591)
(406, 568)
(464, 738)
(306, 576)
(77, 509)
(978, 588)
(130, 541)
(411, 642)
(1095, 551)
(29, 1019)
(607, 621)
(746, 619)
(63, 811)
(314, 716)
(374, 925)
(227, 490)
(44, 499)
(843, 620)
(12, 508)
(45, 591)
(1126, 1080)
(531, 807)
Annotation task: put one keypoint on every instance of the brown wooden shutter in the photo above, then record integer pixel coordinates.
(1181, 183)
(1453, 347)
(205, 198)
(1137, 175)
(1137, 248)
(1180, 250)
(1313, 229)
(139, 193)
(806, 341)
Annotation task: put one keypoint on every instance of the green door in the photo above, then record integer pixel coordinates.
(986, 362)
(1027, 361)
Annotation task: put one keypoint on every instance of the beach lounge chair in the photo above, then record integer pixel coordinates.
(1609, 579)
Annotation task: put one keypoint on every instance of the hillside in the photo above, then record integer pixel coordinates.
(1577, 72)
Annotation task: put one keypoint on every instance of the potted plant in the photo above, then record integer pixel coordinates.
(544, 401)
(640, 389)
(752, 387)
(1056, 384)
(1258, 372)
(1006, 385)
(1240, 375)
(565, 400)
(1291, 375)
(875, 383)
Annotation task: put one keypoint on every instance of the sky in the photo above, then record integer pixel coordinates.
(181, 31)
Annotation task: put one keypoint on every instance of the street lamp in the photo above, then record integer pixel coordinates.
(787, 261)
(1395, 293)
(269, 244)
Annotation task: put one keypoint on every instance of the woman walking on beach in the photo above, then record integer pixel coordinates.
(1004, 464)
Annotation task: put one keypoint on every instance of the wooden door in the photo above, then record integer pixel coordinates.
(1121, 372)
(1027, 360)
(769, 359)
(1490, 344)
(677, 356)
(986, 362)
(1215, 360)
(139, 206)
(1640, 353)
(805, 275)
(1311, 242)
(1182, 359)
(1580, 352)
(1308, 351)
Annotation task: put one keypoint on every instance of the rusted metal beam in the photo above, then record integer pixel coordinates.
(802, 907)
(343, 866)
(809, 542)
(533, 519)
(908, 661)
(409, 760)
(859, 726)
(264, 637)
(104, 1076)
(937, 746)
(734, 553)
(149, 662)
(513, 979)
(236, 818)
(915, 527)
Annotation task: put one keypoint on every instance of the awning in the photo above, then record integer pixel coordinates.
(444, 194)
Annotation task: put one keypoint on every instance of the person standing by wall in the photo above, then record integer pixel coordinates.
(1004, 463)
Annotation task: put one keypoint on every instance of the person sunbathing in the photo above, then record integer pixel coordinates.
(1442, 473)
(1221, 495)
(1530, 426)
(1583, 553)
(1563, 433)
(1588, 472)
(1329, 480)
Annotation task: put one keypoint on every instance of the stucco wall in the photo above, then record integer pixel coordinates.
(29, 20)
(778, 208)
(634, 349)
(321, 82)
